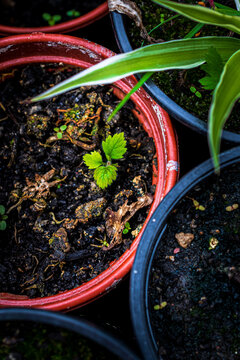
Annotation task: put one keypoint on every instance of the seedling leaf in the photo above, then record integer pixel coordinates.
(59, 135)
(93, 160)
(213, 68)
(2, 210)
(46, 16)
(3, 225)
(114, 146)
(63, 127)
(105, 175)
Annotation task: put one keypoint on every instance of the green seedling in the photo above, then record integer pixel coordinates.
(195, 92)
(126, 228)
(3, 218)
(105, 173)
(51, 19)
(73, 13)
(60, 131)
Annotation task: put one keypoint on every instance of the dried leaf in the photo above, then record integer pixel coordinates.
(116, 220)
(184, 240)
(130, 9)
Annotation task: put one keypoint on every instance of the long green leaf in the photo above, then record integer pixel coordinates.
(225, 95)
(176, 54)
(203, 15)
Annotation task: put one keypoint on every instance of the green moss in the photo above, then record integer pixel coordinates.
(40, 342)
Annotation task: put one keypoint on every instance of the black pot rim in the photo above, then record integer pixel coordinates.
(79, 326)
(148, 244)
(173, 109)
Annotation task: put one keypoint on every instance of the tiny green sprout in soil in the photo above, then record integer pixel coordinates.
(191, 89)
(51, 19)
(127, 228)
(73, 13)
(3, 218)
(105, 173)
(60, 130)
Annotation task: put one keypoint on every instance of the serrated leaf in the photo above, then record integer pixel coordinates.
(114, 146)
(213, 68)
(225, 95)
(2, 210)
(93, 160)
(105, 175)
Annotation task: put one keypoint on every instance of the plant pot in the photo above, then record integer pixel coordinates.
(155, 238)
(57, 323)
(119, 23)
(44, 48)
(63, 27)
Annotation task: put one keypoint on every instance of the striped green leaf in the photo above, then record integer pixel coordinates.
(225, 95)
(203, 15)
(176, 54)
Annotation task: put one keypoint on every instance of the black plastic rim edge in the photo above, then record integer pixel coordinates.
(81, 327)
(173, 109)
(149, 242)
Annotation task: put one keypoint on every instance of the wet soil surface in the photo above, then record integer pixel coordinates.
(60, 224)
(32, 341)
(194, 291)
(27, 13)
(182, 86)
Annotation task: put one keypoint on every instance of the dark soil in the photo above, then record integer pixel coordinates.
(194, 292)
(177, 83)
(28, 13)
(32, 341)
(50, 246)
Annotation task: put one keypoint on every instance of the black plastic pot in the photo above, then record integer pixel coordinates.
(148, 245)
(173, 109)
(81, 327)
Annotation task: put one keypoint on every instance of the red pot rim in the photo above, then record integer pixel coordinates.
(25, 49)
(63, 27)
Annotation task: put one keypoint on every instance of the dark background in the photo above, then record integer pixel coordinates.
(112, 310)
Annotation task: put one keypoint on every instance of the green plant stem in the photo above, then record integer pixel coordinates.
(143, 79)
(160, 24)
(196, 29)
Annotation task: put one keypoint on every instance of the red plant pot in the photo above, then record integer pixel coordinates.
(64, 27)
(35, 48)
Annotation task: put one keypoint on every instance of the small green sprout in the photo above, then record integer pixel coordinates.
(162, 18)
(126, 228)
(3, 217)
(105, 173)
(51, 19)
(73, 13)
(160, 306)
(197, 205)
(60, 131)
(194, 91)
